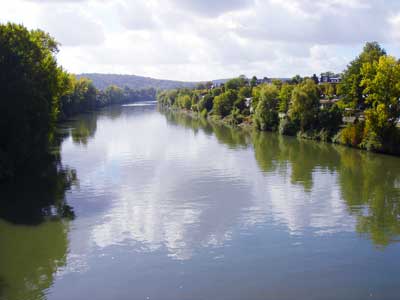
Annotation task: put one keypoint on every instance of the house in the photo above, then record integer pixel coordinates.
(248, 101)
(326, 103)
(352, 116)
(329, 78)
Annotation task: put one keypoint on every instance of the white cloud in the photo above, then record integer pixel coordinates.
(71, 27)
(212, 8)
(200, 40)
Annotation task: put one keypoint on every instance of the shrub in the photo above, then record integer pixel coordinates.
(266, 113)
(206, 103)
(288, 127)
(330, 120)
(372, 142)
(223, 103)
(204, 113)
(352, 135)
(237, 118)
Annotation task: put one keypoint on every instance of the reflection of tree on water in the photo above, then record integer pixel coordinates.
(372, 181)
(84, 128)
(30, 255)
(226, 135)
(186, 121)
(232, 137)
(37, 196)
(29, 258)
(273, 151)
(366, 180)
(369, 183)
(34, 218)
(2, 288)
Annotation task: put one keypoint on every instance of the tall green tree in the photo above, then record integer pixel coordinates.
(381, 83)
(285, 94)
(304, 104)
(266, 113)
(253, 81)
(223, 103)
(350, 87)
(31, 84)
(235, 83)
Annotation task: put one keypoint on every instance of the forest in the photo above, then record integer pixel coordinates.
(362, 110)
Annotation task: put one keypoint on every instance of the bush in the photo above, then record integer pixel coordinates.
(318, 135)
(330, 120)
(204, 113)
(223, 103)
(206, 103)
(268, 120)
(288, 127)
(372, 142)
(237, 118)
(352, 135)
(266, 113)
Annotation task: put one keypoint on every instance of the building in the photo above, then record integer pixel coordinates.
(329, 78)
(326, 103)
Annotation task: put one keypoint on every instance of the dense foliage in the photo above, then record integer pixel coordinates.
(362, 110)
(36, 93)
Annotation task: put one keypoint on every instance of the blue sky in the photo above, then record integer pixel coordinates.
(204, 39)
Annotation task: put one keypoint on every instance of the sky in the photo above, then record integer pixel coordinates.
(196, 40)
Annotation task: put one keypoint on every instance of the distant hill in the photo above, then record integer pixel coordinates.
(102, 81)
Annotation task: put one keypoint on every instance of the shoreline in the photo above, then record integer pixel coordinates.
(248, 127)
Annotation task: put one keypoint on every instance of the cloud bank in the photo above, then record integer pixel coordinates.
(206, 39)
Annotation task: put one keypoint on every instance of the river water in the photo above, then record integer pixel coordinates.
(145, 204)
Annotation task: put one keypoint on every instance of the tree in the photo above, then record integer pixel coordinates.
(184, 101)
(235, 83)
(253, 81)
(296, 79)
(278, 83)
(329, 74)
(208, 85)
(31, 84)
(81, 96)
(350, 86)
(381, 83)
(266, 114)
(206, 102)
(328, 90)
(223, 103)
(285, 94)
(315, 78)
(304, 104)
(114, 95)
(244, 92)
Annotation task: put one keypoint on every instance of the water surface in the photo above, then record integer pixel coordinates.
(144, 204)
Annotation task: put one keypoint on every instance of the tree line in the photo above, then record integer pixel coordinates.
(362, 110)
(36, 93)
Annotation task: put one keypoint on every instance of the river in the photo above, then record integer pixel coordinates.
(146, 204)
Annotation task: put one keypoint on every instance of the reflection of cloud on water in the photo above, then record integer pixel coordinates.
(175, 190)
(277, 199)
(139, 104)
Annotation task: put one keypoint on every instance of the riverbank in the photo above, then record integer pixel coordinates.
(310, 107)
(312, 135)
